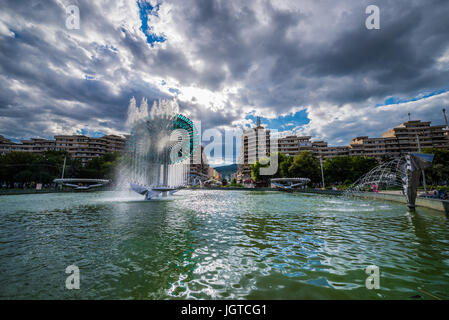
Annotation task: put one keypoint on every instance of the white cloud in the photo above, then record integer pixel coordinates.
(227, 59)
(339, 124)
(4, 30)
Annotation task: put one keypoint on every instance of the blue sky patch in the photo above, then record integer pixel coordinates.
(174, 90)
(283, 123)
(89, 133)
(424, 95)
(145, 11)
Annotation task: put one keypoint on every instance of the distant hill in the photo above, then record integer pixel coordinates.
(227, 170)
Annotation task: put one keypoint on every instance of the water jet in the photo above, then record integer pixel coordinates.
(403, 172)
(159, 150)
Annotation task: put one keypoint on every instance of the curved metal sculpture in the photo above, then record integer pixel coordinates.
(288, 184)
(81, 184)
(403, 172)
(414, 164)
(181, 122)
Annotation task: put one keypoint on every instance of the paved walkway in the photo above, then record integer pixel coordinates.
(399, 192)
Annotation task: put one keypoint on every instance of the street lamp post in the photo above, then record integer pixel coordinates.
(423, 173)
(322, 173)
(63, 167)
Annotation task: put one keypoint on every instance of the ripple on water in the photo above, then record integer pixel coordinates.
(218, 244)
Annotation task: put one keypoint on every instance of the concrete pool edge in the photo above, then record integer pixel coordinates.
(435, 204)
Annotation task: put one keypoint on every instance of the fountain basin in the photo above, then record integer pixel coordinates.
(214, 244)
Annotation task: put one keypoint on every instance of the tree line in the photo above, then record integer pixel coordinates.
(343, 170)
(26, 167)
(438, 173)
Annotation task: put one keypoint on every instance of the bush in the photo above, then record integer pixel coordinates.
(234, 185)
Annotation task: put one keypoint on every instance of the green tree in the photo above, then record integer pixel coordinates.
(103, 167)
(360, 165)
(13, 163)
(438, 173)
(344, 168)
(305, 165)
(255, 171)
(337, 169)
(23, 176)
(27, 167)
(284, 163)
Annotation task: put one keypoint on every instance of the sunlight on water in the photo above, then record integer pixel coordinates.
(219, 244)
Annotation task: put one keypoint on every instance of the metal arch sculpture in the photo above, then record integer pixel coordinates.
(403, 172)
(415, 164)
(182, 122)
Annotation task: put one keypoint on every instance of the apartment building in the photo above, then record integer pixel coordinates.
(393, 143)
(251, 150)
(429, 136)
(331, 152)
(374, 147)
(214, 174)
(254, 146)
(79, 146)
(86, 148)
(198, 167)
(33, 145)
(292, 145)
(401, 139)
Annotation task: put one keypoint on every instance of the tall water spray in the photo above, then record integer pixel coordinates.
(159, 147)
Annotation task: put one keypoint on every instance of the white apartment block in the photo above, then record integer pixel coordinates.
(79, 146)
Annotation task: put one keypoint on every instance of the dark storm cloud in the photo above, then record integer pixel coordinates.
(397, 59)
(210, 118)
(42, 63)
(277, 56)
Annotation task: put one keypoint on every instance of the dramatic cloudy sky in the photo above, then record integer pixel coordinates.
(307, 66)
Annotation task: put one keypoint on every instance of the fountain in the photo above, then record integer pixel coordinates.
(403, 172)
(159, 148)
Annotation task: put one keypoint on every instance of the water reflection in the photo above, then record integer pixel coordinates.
(216, 244)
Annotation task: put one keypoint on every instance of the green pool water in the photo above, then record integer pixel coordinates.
(204, 244)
